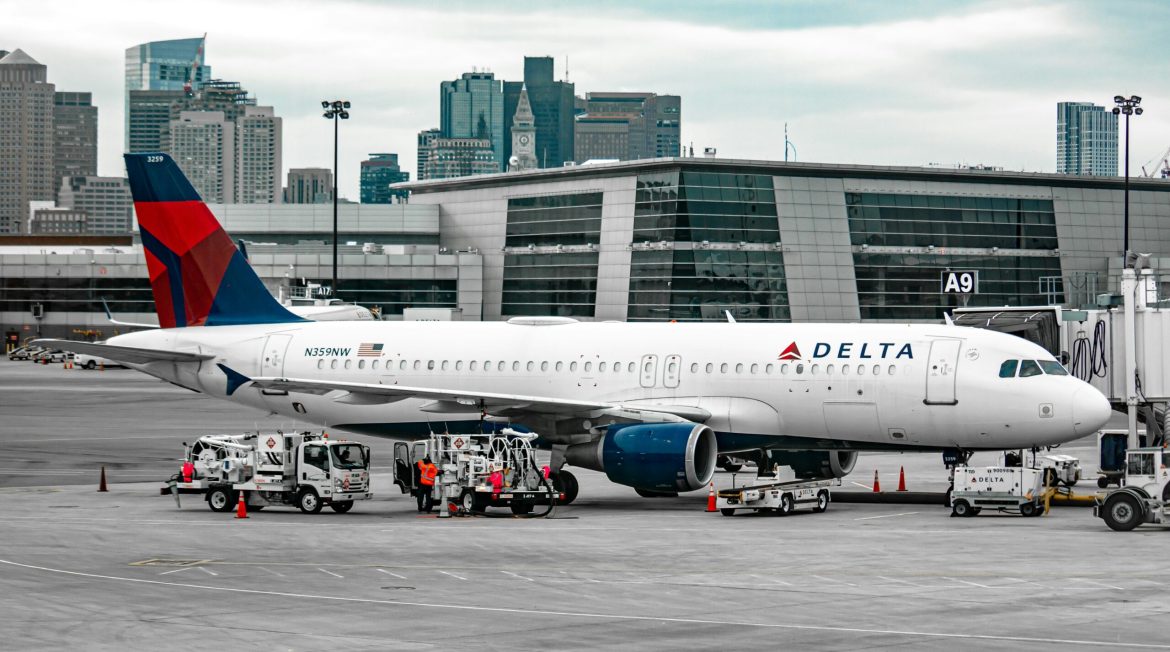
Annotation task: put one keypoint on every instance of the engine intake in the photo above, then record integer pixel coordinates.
(654, 456)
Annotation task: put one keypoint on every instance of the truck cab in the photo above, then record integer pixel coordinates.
(1144, 494)
(331, 472)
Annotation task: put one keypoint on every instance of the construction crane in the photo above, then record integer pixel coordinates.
(189, 85)
(1159, 166)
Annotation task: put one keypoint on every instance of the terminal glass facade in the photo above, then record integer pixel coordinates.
(557, 284)
(907, 285)
(391, 296)
(725, 229)
(554, 220)
(64, 294)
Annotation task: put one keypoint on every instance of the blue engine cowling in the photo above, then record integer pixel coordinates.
(655, 456)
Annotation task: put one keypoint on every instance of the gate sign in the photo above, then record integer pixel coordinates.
(960, 282)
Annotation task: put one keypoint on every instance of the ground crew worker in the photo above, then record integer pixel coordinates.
(426, 484)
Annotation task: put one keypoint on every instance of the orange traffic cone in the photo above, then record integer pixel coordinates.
(241, 507)
(877, 486)
(902, 478)
(102, 484)
(711, 499)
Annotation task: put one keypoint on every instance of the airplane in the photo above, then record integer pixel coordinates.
(651, 405)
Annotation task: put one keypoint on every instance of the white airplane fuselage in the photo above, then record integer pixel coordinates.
(855, 386)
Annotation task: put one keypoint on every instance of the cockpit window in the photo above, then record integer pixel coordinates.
(1053, 368)
(1008, 368)
(1029, 368)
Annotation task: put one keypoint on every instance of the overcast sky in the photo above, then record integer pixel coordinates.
(907, 83)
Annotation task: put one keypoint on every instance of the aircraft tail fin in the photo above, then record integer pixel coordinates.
(198, 276)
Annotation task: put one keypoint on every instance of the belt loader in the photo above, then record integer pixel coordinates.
(305, 469)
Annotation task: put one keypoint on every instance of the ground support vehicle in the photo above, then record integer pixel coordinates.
(24, 353)
(1003, 488)
(304, 469)
(1144, 496)
(778, 494)
(466, 465)
(87, 361)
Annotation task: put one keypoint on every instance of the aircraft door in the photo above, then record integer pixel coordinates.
(649, 370)
(272, 358)
(673, 371)
(942, 371)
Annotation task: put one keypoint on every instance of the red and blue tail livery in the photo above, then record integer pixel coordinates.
(199, 277)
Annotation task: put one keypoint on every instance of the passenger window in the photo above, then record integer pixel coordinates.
(755, 368)
(473, 366)
(430, 365)
(374, 364)
(500, 365)
(814, 369)
(1029, 368)
(531, 365)
(333, 363)
(710, 367)
(630, 367)
(458, 365)
(361, 364)
(444, 365)
(784, 369)
(1053, 368)
(768, 369)
(844, 370)
(694, 367)
(723, 368)
(588, 366)
(877, 370)
(516, 366)
(544, 366)
(573, 366)
(417, 365)
(799, 369)
(321, 363)
(560, 365)
(601, 367)
(829, 369)
(1008, 368)
(348, 364)
(739, 368)
(860, 370)
(892, 370)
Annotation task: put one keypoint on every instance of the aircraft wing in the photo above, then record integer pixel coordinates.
(458, 400)
(129, 355)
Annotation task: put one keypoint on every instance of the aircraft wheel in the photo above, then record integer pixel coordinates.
(565, 483)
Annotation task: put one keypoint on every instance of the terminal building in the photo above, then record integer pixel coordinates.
(659, 239)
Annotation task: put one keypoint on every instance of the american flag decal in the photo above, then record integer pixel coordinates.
(369, 349)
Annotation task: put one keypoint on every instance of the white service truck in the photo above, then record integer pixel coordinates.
(1002, 488)
(1144, 496)
(305, 469)
(778, 494)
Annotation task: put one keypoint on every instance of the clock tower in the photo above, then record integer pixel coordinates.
(523, 136)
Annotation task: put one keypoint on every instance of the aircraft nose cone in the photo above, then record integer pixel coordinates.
(1090, 411)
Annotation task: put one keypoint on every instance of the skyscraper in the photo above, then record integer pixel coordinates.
(148, 116)
(425, 138)
(163, 66)
(105, 201)
(203, 145)
(473, 107)
(309, 186)
(552, 107)
(378, 172)
(26, 138)
(75, 136)
(258, 156)
(628, 126)
(1086, 139)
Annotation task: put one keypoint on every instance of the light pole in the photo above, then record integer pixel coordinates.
(335, 110)
(1128, 106)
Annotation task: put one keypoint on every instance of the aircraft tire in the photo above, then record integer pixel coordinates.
(566, 483)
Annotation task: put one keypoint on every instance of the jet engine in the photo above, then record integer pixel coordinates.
(664, 457)
(819, 465)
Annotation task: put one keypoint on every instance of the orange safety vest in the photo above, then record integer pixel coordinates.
(427, 473)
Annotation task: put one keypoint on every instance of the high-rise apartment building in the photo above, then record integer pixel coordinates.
(258, 156)
(425, 138)
(148, 117)
(203, 144)
(553, 108)
(75, 135)
(378, 172)
(1086, 139)
(473, 107)
(106, 202)
(628, 126)
(163, 66)
(26, 138)
(309, 186)
(460, 157)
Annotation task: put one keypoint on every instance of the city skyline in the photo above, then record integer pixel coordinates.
(920, 83)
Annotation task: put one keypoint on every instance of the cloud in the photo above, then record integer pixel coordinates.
(972, 82)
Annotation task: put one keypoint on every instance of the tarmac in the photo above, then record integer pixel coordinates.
(128, 569)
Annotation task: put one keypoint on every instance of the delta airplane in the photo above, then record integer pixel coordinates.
(649, 404)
